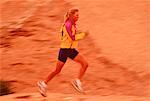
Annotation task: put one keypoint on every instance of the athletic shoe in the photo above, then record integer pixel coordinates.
(77, 85)
(42, 88)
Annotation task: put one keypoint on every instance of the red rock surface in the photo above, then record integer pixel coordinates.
(117, 48)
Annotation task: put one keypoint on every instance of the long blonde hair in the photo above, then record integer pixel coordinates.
(70, 13)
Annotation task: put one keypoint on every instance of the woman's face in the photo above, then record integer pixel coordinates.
(76, 16)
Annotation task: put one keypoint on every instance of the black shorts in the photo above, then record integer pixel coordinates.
(64, 53)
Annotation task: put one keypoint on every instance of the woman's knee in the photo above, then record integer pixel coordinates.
(85, 64)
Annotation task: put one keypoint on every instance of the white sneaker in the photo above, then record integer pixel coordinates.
(42, 88)
(77, 85)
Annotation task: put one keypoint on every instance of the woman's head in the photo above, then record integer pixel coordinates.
(72, 14)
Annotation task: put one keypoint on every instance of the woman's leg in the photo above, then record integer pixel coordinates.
(80, 59)
(55, 72)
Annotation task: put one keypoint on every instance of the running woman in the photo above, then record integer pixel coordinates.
(69, 43)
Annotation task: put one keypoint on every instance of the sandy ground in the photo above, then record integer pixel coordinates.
(116, 49)
(70, 97)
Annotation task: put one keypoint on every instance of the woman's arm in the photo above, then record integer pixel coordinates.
(72, 36)
(79, 36)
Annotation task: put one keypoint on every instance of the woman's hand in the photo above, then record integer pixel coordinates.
(86, 32)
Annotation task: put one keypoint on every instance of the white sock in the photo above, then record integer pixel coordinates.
(78, 81)
(43, 83)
